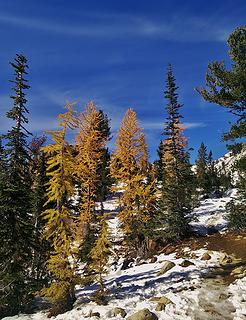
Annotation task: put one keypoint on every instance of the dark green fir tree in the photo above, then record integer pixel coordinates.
(104, 178)
(202, 176)
(16, 233)
(213, 177)
(225, 179)
(175, 203)
(38, 165)
(227, 88)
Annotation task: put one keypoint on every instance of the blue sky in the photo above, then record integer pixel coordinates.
(116, 53)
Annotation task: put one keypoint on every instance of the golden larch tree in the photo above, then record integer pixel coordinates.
(129, 167)
(90, 142)
(99, 258)
(59, 222)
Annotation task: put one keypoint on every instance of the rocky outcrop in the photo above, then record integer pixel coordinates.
(206, 256)
(117, 312)
(162, 303)
(143, 314)
(166, 266)
(186, 263)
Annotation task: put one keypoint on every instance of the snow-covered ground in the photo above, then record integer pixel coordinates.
(191, 296)
(211, 215)
(192, 292)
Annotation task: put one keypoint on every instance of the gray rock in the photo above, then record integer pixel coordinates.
(206, 256)
(225, 259)
(162, 303)
(93, 314)
(239, 272)
(126, 264)
(186, 263)
(160, 306)
(166, 266)
(144, 314)
(117, 312)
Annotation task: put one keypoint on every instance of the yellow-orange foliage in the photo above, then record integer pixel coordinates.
(131, 149)
(129, 166)
(89, 145)
(60, 225)
(101, 251)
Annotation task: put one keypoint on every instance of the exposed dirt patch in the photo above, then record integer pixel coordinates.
(230, 243)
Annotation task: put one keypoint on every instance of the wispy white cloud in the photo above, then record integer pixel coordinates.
(177, 27)
(193, 125)
(155, 125)
(37, 124)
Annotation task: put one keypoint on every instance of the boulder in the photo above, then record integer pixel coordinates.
(206, 256)
(155, 299)
(140, 261)
(117, 312)
(166, 266)
(239, 272)
(165, 300)
(126, 264)
(143, 314)
(225, 259)
(93, 314)
(193, 255)
(162, 303)
(160, 306)
(186, 263)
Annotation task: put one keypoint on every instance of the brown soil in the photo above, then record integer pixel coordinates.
(233, 244)
(230, 243)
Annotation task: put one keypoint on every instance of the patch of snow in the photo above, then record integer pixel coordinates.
(210, 216)
(131, 289)
(191, 294)
(238, 298)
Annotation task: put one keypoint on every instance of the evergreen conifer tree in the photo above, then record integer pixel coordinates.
(103, 170)
(227, 88)
(175, 202)
(158, 163)
(225, 179)
(202, 175)
(213, 176)
(38, 165)
(237, 207)
(17, 232)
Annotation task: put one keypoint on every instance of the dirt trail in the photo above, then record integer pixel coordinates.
(214, 302)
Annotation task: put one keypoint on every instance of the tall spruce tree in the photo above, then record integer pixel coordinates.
(225, 178)
(207, 176)
(103, 170)
(38, 166)
(202, 176)
(213, 176)
(227, 88)
(175, 202)
(17, 232)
